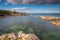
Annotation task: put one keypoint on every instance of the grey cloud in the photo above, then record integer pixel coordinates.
(33, 1)
(14, 1)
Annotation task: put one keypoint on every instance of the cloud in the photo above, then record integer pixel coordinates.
(33, 1)
(37, 10)
(14, 1)
(20, 9)
(6, 3)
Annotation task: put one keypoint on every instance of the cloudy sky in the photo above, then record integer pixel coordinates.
(31, 6)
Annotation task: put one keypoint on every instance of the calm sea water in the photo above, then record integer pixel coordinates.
(26, 20)
(45, 14)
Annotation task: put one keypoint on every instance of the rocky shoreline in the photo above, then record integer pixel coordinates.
(53, 20)
(12, 13)
(20, 36)
(49, 18)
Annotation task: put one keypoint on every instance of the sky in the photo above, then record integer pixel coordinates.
(31, 6)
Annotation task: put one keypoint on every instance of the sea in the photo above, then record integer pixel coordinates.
(32, 19)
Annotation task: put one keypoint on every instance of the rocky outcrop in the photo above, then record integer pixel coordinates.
(21, 36)
(49, 18)
(46, 17)
(56, 23)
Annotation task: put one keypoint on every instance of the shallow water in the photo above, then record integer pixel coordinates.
(25, 20)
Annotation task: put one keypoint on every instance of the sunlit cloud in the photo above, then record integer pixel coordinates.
(20, 9)
(6, 3)
(38, 10)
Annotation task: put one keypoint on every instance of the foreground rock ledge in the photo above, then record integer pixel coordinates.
(20, 36)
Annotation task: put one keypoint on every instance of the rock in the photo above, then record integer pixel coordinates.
(21, 36)
(11, 36)
(32, 37)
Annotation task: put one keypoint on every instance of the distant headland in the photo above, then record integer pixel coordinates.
(12, 13)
